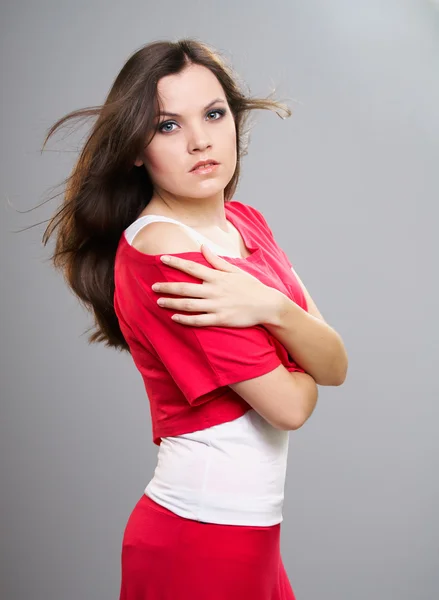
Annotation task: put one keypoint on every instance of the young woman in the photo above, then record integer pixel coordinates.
(228, 341)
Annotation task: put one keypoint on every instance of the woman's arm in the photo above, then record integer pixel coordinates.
(286, 400)
(311, 342)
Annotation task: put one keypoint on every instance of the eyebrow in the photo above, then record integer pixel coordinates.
(170, 114)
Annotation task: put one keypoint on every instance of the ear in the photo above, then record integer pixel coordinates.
(138, 162)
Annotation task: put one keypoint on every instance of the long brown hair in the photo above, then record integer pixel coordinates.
(106, 192)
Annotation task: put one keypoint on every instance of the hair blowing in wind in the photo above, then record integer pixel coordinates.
(105, 191)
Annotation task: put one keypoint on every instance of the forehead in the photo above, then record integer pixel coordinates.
(194, 86)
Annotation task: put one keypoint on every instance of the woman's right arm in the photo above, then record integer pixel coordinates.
(286, 400)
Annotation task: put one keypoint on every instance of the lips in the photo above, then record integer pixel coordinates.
(204, 163)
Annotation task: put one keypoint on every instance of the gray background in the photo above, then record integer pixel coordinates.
(349, 185)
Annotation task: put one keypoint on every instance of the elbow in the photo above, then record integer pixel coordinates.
(336, 376)
(303, 406)
(342, 370)
(301, 419)
(342, 376)
(341, 380)
(332, 380)
(296, 423)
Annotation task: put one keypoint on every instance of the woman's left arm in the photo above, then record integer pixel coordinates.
(312, 343)
(231, 297)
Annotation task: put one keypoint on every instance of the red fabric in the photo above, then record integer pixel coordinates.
(187, 370)
(167, 557)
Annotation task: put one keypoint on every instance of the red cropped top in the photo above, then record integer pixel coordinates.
(187, 370)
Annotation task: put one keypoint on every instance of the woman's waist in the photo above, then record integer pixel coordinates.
(216, 474)
(227, 507)
(242, 463)
(222, 476)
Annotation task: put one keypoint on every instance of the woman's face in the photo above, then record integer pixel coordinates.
(203, 128)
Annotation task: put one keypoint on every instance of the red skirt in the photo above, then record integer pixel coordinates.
(168, 557)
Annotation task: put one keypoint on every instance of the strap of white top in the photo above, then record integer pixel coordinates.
(138, 224)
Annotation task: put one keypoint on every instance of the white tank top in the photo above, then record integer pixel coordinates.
(230, 474)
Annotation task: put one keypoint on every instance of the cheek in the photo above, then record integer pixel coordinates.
(163, 161)
(156, 159)
(230, 143)
(230, 132)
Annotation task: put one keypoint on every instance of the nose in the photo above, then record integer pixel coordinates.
(199, 139)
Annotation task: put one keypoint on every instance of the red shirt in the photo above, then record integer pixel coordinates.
(187, 370)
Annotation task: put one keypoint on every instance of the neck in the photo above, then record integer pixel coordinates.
(194, 212)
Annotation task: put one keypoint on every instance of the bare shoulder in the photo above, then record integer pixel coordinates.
(164, 238)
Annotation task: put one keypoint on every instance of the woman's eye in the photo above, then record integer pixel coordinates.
(166, 126)
(216, 112)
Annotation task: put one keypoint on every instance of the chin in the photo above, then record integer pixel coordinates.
(206, 188)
